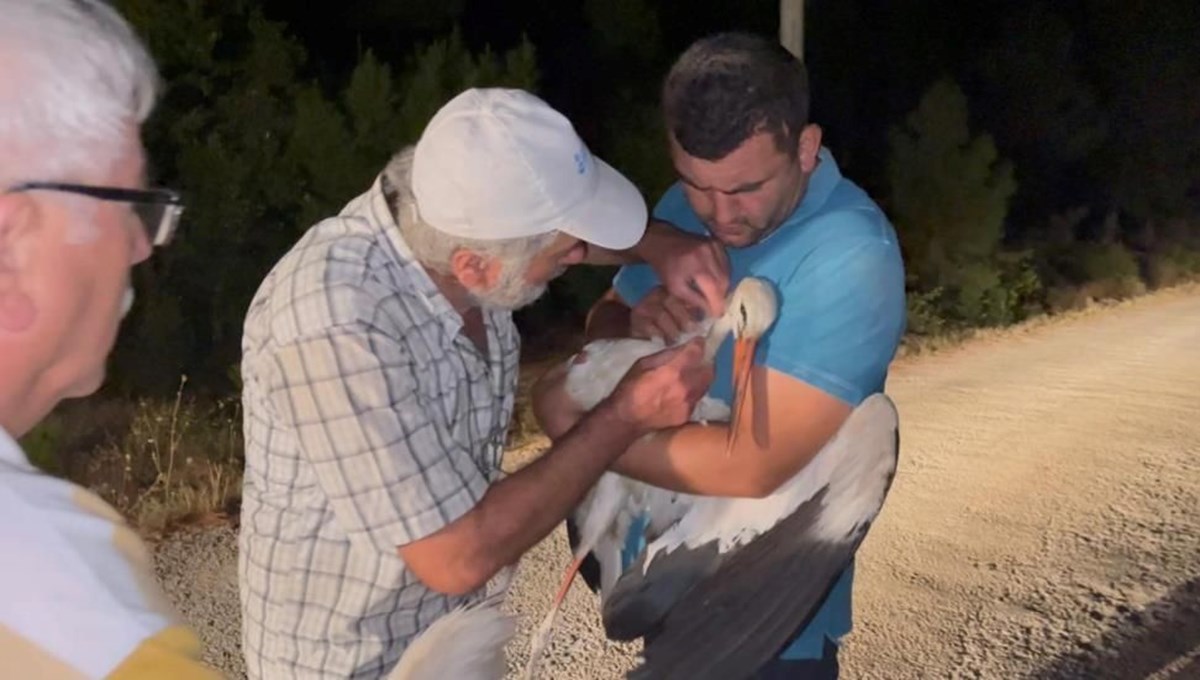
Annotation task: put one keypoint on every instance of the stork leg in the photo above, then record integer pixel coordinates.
(545, 629)
(568, 578)
(743, 359)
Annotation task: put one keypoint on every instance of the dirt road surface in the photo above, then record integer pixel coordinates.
(1045, 520)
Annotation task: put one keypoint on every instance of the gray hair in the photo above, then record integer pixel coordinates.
(434, 248)
(76, 79)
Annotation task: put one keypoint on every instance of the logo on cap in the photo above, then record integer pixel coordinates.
(581, 161)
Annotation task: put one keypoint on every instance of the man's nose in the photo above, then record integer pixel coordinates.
(724, 209)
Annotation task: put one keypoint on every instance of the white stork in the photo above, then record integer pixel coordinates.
(466, 644)
(723, 582)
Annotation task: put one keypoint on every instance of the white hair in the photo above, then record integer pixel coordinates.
(75, 80)
(434, 248)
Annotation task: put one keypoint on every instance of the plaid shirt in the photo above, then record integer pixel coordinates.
(370, 421)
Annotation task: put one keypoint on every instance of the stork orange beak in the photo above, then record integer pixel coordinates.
(743, 358)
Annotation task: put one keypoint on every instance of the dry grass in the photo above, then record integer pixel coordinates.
(159, 462)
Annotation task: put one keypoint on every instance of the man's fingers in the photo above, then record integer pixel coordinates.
(689, 293)
(674, 354)
(712, 294)
(699, 379)
(680, 313)
(665, 326)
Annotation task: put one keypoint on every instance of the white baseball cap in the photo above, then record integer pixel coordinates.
(500, 163)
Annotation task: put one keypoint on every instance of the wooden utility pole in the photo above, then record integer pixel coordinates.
(791, 26)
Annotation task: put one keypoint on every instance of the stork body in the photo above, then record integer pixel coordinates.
(466, 644)
(722, 582)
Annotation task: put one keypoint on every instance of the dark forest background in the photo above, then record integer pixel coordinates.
(1025, 149)
(1034, 155)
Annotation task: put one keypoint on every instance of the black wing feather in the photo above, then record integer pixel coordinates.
(638, 603)
(734, 621)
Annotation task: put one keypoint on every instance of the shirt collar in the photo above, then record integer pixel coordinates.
(820, 186)
(375, 209)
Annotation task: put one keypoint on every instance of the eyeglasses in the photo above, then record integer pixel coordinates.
(158, 209)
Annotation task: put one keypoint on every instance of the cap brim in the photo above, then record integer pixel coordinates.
(614, 218)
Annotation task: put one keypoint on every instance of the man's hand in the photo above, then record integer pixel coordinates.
(661, 390)
(693, 268)
(662, 315)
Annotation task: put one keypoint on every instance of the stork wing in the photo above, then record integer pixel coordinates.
(640, 601)
(728, 615)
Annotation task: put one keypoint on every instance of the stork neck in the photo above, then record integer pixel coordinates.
(716, 335)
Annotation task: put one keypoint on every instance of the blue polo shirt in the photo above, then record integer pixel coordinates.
(836, 267)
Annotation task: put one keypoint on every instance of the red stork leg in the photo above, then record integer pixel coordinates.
(566, 582)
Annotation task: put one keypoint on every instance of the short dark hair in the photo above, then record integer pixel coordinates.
(729, 86)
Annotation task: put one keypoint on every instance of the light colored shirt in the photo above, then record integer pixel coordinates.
(371, 421)
(836, 266)
(78, 594)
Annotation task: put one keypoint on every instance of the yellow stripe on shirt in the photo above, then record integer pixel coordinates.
(172, 653)
(27, 660)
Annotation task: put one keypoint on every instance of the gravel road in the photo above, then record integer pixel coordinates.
(1045, 521)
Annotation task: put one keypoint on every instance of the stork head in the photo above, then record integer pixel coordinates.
(750, 312)
(752, 308)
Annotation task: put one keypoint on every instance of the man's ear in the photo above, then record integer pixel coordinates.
(473, 270)
(18, 231)
(810, 147)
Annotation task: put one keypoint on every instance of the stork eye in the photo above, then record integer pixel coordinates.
(742, 312)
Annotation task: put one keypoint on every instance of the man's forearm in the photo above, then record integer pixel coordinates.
(603, 256)
(521, 510)
(691, 459)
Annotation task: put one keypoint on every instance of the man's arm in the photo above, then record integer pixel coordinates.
(396, 478)
(657, 233)
(519, 511)
(693, 268)
(772, 446)
(786, 422)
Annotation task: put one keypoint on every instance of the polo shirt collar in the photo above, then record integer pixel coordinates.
(820, 186)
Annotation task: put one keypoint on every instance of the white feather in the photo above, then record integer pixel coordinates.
(610, 507)
(467, 643)
(856, 464)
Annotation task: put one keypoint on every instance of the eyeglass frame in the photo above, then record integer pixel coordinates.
(170, 199)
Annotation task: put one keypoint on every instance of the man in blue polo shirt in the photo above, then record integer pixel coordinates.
(754, 176)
